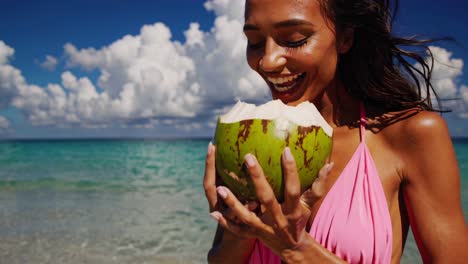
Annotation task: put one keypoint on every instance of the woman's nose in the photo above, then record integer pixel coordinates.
(273, 59)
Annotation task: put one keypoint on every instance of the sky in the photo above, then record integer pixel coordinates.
(158, 69)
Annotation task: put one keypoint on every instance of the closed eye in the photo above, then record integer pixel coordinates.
(256, 45)
(296, 44)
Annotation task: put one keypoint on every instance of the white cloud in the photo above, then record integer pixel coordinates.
(145, 75)
(231, 9)
(194, 35)
(4, 123)
(446, 72)
(222, 69)
(87, 58)
(446, 77)
(463, 113)
(464, 93)
(187, 127)
(5, 52)
(11, 78)
(50, 63)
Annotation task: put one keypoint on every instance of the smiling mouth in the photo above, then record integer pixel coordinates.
(285, 84)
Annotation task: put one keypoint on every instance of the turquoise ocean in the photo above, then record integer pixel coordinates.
(115, 201)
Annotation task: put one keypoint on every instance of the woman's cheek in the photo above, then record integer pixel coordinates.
(252, 59)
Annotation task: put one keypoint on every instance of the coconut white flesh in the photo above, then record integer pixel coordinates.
(304, 114)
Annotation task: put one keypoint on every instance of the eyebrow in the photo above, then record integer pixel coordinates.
(286, 23)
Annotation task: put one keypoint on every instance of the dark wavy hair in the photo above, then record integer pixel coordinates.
(377, 70)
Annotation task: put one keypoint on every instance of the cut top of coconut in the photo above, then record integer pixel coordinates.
(304, 114)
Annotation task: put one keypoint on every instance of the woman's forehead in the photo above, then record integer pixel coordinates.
(266, 11)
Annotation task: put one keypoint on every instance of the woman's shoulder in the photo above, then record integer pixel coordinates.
(409, 130)
(417, 135)
(414, 127)
(418, 139)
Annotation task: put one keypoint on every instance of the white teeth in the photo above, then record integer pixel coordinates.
(281, 80)
(283, 89)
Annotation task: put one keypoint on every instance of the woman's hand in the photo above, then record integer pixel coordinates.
(286, 231)
(318, 188)
(227, 247)
(211, 181)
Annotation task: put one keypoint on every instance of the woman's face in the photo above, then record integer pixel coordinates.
(292, 46)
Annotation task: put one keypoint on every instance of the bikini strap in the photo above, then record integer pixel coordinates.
(362, 121)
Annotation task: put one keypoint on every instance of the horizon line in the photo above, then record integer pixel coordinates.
(133, 138)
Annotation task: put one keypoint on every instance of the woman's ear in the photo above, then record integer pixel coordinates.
(346, 40)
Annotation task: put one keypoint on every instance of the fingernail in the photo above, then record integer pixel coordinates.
(330, 166)
(250, 160)
(215, 215)
(222, 191)
(252, 205)
(287, 154)
(210, 148)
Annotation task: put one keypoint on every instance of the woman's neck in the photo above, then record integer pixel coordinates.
(337, 106)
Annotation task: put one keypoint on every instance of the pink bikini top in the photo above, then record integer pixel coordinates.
(353, 220)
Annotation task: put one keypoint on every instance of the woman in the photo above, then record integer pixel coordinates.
(392, 163)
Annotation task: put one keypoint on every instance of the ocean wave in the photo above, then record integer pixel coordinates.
(64, 185)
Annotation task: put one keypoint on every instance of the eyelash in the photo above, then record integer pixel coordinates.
(290, 46)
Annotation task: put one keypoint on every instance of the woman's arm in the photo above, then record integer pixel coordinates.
(432, 190)
(230, 248)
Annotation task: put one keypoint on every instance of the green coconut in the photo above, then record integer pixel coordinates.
(265, 131)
